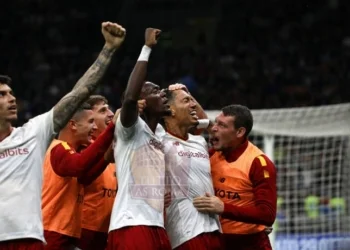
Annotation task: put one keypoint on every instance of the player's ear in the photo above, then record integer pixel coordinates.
(72, 124)
(241, 132)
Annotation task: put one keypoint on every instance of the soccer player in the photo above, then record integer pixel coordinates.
(188, 171)
(137, 217)
(22, 150)
(99, 195)
(244, 181)
(65, 171)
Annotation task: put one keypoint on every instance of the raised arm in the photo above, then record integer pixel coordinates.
(129, 112)
(67, 163)
(114, 35)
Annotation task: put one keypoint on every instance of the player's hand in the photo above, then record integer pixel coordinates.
(177, 86)
(141, 104)
(116, 115)
(113, 33)
(208, 204)
(151, 36)
(167, 200)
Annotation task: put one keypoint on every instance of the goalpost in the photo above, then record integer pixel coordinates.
(311, 150)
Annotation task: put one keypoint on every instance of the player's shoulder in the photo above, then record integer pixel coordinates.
(42, 119)
(37, 123)
(138, 123)
(263, 161)
(160, 131)
(62, 146)
(22, 133)
(197, 139)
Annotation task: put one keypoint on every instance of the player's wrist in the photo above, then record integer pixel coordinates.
(111, 125)
(110, 47)
(203, 123)
(145, 53)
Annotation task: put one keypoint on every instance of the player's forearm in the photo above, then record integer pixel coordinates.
(96, 150)
(201, 116)
(75, 165)
(103, 60)
(86, 85)
(200, 111)
(88, 177)
(262, 214)
(138, 76)
(129, 112)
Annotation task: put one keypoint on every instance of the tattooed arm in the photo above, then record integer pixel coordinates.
(114, 35)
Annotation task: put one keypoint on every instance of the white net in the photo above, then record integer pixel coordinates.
(311, 150)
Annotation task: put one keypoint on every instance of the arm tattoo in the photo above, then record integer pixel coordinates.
(88, 83)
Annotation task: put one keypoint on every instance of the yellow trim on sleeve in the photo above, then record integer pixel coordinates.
(266, 174)
(65, 145)
(262, 161)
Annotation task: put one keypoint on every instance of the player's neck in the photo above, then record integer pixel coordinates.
(177, 131)
(69, 138)
(233, 152)
(5, 129)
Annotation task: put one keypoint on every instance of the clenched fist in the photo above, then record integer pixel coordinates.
(113, 33)
(151, 36)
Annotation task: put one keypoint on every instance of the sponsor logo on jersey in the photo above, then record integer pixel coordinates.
(157, 144)
(107, 192)
(14, 152)
(190, 154)
(227, 194)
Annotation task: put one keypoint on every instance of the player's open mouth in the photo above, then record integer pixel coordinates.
(213, 140)
(90, 135)
(194, 114)
(13, 108)
(108, 121)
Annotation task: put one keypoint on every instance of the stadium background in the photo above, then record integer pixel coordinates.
(264, 54)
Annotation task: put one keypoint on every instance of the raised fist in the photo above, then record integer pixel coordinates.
(151, 36)
(141, 104)
(113, 33)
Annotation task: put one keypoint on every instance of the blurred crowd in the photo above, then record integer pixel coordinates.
(263, 54)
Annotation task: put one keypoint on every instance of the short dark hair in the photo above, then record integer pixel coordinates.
(5, 79)
(170, 95)
(83, 107)
(95, 99)
(242, 114)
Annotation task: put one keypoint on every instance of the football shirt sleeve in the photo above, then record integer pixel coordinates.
(42, 126)
(65, 161)
(88, 177)
(124, 133)
(263, 177)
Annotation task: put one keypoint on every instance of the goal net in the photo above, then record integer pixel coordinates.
(311, 150)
